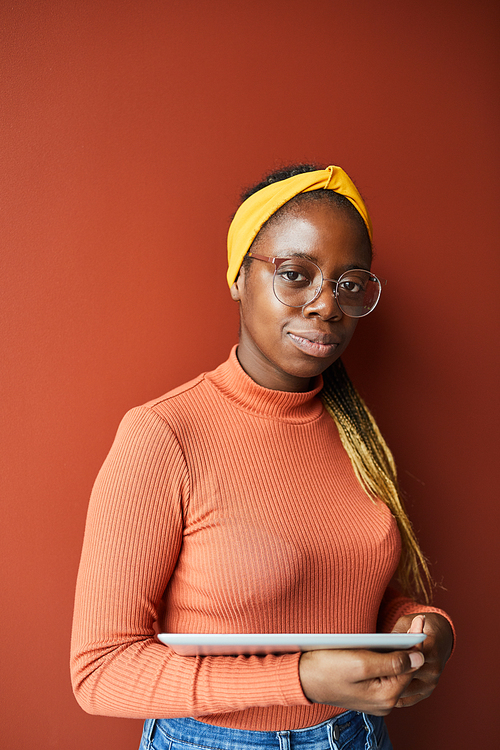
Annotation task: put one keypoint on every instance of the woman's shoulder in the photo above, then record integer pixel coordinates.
(176, 393)
(184, 407)
(200, 390)
(160, 422)
(182, 404)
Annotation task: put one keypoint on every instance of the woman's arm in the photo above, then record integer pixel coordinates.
(132, 541)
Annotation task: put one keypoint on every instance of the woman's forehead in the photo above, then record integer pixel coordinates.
(316, 231)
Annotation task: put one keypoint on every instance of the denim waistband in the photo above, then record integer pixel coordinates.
(351, 729)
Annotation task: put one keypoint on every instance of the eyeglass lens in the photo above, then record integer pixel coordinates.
(298, 282)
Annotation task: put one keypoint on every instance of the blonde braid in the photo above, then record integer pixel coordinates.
(375, 469)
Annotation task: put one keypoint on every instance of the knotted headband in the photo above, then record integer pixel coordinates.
(260, 206)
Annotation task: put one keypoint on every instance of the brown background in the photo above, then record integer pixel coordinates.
(128, 128)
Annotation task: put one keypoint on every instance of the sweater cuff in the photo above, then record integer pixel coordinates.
(288, 681)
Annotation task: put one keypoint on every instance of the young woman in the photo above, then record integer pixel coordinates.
(261, 498)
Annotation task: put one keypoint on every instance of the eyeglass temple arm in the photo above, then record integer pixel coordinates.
(266, 258)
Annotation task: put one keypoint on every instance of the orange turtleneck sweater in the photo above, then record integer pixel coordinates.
(225, 507)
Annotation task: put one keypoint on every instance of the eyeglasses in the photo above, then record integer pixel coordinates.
(298, 282)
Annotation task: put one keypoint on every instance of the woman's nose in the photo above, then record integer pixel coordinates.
(325, 304)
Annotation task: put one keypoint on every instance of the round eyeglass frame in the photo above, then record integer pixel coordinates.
(277, 262)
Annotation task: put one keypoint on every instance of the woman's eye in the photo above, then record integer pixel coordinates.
(293, 275)
(353, 287)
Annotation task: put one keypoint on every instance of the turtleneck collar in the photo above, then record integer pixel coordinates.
(235, 385)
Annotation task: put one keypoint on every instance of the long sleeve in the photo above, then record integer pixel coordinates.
(132, 542)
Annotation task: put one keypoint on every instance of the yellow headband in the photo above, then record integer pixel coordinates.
(257, 209)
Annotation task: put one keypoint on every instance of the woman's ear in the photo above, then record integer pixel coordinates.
(236, 287)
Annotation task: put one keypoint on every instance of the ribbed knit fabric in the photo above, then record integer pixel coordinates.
(225, 507)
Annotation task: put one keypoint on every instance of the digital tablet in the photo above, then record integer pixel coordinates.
(229, 644)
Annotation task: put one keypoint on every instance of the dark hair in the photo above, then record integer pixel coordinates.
(283, 173)
(277, 175)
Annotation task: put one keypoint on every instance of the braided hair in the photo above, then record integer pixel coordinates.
(370, 456)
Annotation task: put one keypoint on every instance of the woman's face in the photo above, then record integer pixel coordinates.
(284, 347)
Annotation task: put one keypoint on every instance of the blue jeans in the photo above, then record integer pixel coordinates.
(349, 731)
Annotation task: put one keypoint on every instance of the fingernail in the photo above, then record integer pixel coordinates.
(416, 659)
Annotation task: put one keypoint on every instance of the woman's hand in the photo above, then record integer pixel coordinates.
(436, 649)
(358, 680)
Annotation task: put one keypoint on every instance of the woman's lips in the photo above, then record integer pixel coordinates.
(313, 347)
